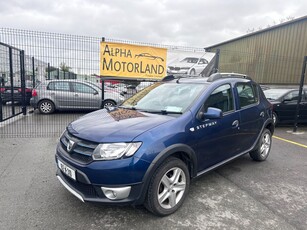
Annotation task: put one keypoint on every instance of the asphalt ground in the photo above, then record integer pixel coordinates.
(243, 194)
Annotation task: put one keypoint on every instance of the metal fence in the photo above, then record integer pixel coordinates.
(58, 56)
(12, 82)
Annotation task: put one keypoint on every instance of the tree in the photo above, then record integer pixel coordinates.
(64, 67)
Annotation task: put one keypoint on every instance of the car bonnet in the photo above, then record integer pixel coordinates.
(118, 125)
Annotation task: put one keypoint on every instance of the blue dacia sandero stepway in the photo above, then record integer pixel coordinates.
(147, 150)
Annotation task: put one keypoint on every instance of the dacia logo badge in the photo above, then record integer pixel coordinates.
(70, 146)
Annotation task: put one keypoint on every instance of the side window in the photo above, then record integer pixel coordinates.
(292, 96)
(82, 88)
(59, 86)
(221, 98)
(248, 94)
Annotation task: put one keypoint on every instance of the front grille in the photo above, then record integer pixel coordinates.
(82, 150)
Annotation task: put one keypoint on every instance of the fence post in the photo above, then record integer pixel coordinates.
(48, 76)
(23, 82)
(11, 79)
(300, 95)
(33, 72)
(102, 82)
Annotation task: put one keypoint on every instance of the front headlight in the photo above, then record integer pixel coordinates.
(113, 151)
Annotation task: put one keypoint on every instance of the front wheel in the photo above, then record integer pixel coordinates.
(108, 103)
(263, 147)
(46, 107)
(192, 72)
(168, 187)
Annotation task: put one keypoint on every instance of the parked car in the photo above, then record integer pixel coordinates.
(71, 95)
(16, 97)
(189, 65)
(284, 103)
(151, 147)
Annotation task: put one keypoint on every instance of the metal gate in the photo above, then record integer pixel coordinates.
(12, 82)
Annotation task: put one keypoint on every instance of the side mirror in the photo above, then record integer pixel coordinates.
(212, 113)
(95, 93)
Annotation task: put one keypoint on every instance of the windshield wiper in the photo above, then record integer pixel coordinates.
(126, 107)
(163, 112)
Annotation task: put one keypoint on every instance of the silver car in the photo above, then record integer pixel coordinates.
(189, 65)
(71, 95)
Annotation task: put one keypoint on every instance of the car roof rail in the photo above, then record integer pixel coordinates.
(216, 76)
(168, 78)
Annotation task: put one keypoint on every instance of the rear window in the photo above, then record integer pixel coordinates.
(248, 94)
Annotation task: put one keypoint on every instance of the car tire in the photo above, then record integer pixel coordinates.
(263, 147)
(109, 103)
(46, 107)
(168, 187)
(275, 119)
(192, 72)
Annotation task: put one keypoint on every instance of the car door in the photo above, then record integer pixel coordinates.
(217, 138)
(251, 113)
(287, 108)
(85, 96)
(60, 93)
(303, 108)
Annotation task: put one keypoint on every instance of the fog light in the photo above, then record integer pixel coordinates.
(116, 193)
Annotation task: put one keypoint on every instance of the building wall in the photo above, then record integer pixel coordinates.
(273, 56)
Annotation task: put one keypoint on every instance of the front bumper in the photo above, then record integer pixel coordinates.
(181, 71)
(94, 193)
(95, 182)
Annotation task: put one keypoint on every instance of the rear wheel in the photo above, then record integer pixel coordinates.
(168, 187)
(263, 147)
(46, 107)
(109, 103)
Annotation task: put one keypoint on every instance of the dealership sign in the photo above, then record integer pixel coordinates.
(132, 61)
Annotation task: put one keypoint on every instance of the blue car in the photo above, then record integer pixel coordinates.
(147, 150)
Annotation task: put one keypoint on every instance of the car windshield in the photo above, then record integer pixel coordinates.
(274, 94)
(190, 60)
(165, 97)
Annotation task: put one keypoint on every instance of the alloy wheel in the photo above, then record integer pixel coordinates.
(171, 188)
(265, 145)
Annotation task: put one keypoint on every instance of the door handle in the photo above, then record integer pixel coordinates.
(235, 124)
(76, 95)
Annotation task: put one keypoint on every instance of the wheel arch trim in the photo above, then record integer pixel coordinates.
(161, 157)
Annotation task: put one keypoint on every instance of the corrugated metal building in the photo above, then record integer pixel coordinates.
(270, 56)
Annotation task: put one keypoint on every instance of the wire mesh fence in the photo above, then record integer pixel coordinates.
(72, 62)
(13, 97)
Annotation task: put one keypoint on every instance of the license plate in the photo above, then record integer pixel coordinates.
(9, 91)
(67, 170)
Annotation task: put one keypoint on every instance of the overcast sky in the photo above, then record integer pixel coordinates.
(196, 23)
